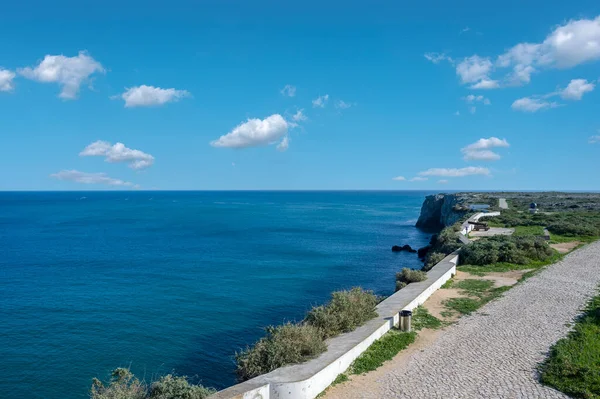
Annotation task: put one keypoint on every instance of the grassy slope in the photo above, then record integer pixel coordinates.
(573, 366)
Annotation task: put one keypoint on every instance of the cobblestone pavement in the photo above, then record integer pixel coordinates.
(494, 352)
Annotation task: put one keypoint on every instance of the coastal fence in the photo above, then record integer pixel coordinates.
(307, 380)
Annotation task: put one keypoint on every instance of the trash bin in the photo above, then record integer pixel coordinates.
(405, 320)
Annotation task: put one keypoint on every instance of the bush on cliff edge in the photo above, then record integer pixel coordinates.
(346, 311)
(407, 276)
(292, 343)
(124, 385)
(285, 344)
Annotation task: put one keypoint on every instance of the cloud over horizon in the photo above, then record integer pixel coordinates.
(529, 104)
(254, 132)
(91, 178)
(288, 91)
(6, 80)
(68, 72)
(136, 159)
(456, 172)
(573, 43)
(481, 149)
(576, 89)
(148, 96)
(321, 101)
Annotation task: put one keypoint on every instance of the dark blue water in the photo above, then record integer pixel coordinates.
(177, 281)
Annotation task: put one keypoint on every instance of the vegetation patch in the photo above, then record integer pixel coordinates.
(482, 270)
(441, 245)
(463, 305)
(346, 311)
(573, 366)
(407, 276)
(524, 231)
(124, 385)
(421, 319)
(293, 343)
(285, 344)
(569, 222)
(474, 287)
(382, 350)
(506, 249)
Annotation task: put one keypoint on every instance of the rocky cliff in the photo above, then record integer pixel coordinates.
(442, 210)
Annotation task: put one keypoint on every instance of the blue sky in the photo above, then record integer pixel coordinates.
(192, 95)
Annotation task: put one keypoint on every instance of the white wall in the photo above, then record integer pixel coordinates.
(318, 382)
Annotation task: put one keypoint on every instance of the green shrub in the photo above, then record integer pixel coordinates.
(293, 343)
(407, 276)
(432, 259)
(506, 249)
(174, 387)
(122, 385)
(285, 344)
(346, 311)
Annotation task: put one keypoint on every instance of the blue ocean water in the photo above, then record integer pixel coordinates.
(177, 281)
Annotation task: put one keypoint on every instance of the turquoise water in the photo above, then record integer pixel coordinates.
(177, 281)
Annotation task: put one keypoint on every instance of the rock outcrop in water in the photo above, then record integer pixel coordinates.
(442, 210)
(408, 248)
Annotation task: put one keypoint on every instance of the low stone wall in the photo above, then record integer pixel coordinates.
(307, 380)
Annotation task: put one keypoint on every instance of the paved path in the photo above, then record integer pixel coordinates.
(502, 203)
(494, 352)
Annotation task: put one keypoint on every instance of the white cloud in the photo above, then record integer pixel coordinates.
(470, 99)
(472, 109)
(284, 144)
(299, 116)
(576, 89)
(254, 132)
(574, 43)
(342, 105)
(399, 178)
(436, 58)
(568, 45)
(453, 172)
(481, 149)
(443, 181)
(528, 104)
(91, 178)
(486, 144)
(418, 178)
(457, 113)
(320, 101)
(6, 80)
(147, 96)
(288, 90)
(466, 29)
(474, 69)
(594, 139)
(486, 83)
(68, 72)
(118, 153)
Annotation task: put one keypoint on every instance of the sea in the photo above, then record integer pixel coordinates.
(177, 282)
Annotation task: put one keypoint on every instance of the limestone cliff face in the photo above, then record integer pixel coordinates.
(441, 210)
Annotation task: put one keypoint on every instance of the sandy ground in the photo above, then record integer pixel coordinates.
(565, 247)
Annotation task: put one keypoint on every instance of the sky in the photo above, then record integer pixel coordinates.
(325, 95)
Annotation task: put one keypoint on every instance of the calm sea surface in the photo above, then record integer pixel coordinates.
(177, 281)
